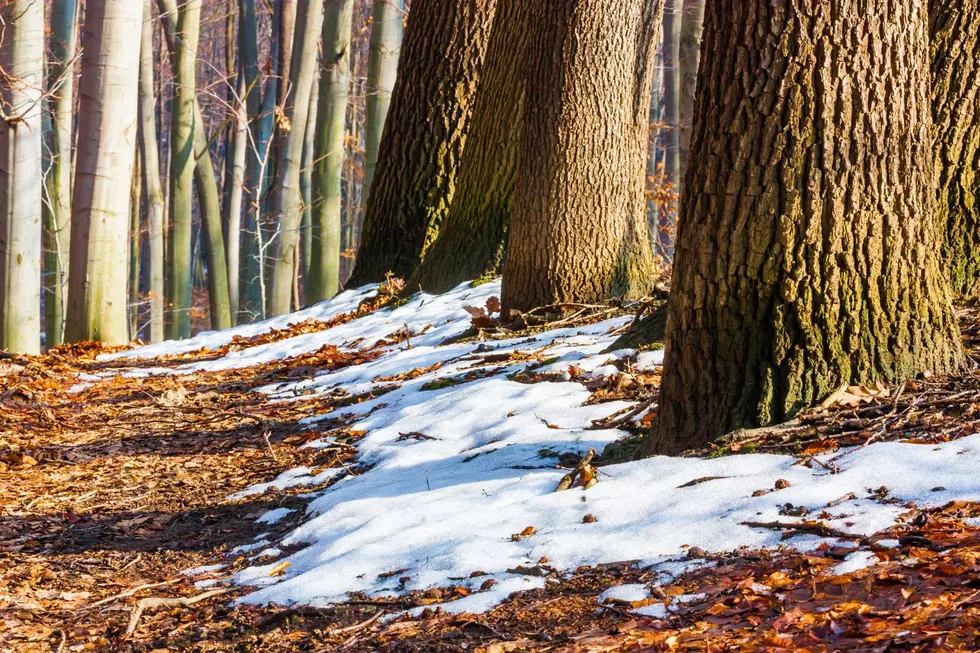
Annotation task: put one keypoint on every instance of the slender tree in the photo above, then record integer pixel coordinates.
(579, 229)
(955, 41)
(290, 208)
(57, 208)
(438, 72)
(107, 113)
(21, 168)
(328, 152)
(387, 18)
(672, 23)
(202, 173)
(473, 235)
(306, 182)
(689, 57)
(134, 246)
(234, 195)
(808, 253)
(150, 166)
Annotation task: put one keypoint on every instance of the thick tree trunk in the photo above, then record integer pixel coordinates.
(57, 210)
(386, 39)
(422, 144)
(150, 165)
(689, 60)
(21, 172)
(808, 253)
(473, 235)
(107, 113)
(323, 281)
(290, 207)
(579, 228)
(205, 181)
(955, 40)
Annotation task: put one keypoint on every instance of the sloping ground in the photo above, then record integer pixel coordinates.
(390, 472)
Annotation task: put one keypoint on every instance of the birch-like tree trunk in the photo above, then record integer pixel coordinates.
(107, 112)
(21, 172)
(673, 16)
(689, 60)
(290, 206)
(306, 182)
(234, 195)
(150, 165)
(387, 19)
(57, 208)
(323, 280)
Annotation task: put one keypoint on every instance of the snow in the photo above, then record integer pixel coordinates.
(855, 562)
(454, 472)
(273, 516)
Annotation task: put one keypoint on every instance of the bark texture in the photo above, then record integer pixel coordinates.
(808, 253)
(107, 113)
(21, 172)
(954, 27)
(473, 235)
(579, 227)
(442, 54)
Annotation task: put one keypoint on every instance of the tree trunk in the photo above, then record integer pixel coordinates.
(579, 230)
(422, 143)
(57, 210)
(667, 223)
(205, 181)
(134, 248)
(306, 181)
(236, 190)
(386, 39)
(808, 253)
(689, 60)
(21, 172)
(955, 40)
(323, 280)
(290, 208)
(107, 113)
(150, 165)
(472, 238)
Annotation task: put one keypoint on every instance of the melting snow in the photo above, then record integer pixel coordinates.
(446, 505)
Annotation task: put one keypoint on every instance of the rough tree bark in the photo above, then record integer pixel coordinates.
(328, 149)
(57, 210)
(955, 42)
(808, 253)
(473, 235)
(689, 60)
(579, 229)
(107, 112)
(150, 165)
(290, 207)
(442, 54)
(21, 172)
(386, 38)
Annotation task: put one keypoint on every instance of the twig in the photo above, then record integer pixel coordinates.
(800, 528)
(182, 602)
(128, 592)
(569, 478)
(639, 408)
(358, 626)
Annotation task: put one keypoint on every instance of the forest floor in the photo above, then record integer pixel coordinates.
(112, 487)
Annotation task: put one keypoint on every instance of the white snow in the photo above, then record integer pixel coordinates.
(855, 562)
(273, 516)
(455, 471)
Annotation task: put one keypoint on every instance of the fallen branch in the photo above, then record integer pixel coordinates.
(181, 602)
(806, 528)
(125, 594)
(358, 626)
(615, 423)
(569, 478)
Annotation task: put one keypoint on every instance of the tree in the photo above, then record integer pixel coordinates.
(672, 24)
(808, 248)
(107, 113)
(386, 39)
(473, 235)
(290, 208)
(688, 61)
(420, 151)
(955, 44)
(579, 229)
(57, 208)
(21, 168)
(328, 150)
(188, 116)
(150, 166)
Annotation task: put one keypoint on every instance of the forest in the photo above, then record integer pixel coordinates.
(493, 325)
